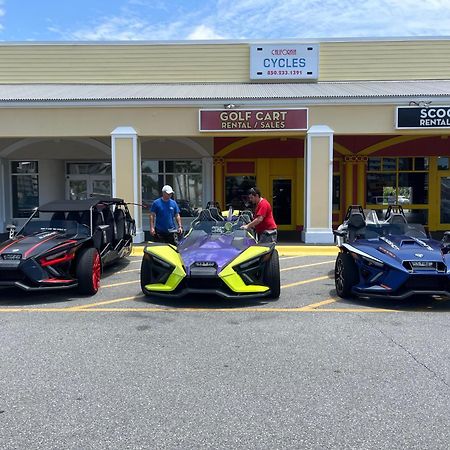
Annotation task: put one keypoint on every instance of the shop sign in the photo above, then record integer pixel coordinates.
(285, 119)
(284, 62)
(426, 117)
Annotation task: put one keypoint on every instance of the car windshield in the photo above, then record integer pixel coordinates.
(67, 228)
(415, 230)
(219, 227)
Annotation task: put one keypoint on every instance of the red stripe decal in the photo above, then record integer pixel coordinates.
(37, 245)
(12, 243)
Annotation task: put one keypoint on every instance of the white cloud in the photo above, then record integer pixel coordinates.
(266, 19)
(203, 32)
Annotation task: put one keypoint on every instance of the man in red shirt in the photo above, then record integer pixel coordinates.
(263, 223)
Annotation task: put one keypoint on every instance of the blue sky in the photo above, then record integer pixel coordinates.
(111, 20)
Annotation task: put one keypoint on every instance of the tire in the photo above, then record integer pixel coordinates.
(272, 276)
(145, 274)
(89, 269)
(345, 275)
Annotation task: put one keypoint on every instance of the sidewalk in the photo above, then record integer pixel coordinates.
(284, 249)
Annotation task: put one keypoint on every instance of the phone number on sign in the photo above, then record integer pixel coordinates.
(284, 72)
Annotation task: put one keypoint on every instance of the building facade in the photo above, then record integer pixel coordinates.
(316, 125)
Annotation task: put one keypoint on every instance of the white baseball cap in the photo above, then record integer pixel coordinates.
(167, 189)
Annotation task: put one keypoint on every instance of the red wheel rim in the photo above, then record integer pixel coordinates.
(96, 270)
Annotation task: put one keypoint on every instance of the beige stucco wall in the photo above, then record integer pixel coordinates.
(218, 61)
(125, 170)
(179, 122)
(319, 183)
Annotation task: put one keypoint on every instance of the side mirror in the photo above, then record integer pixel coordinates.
(340, 233)
(11, 229)
(446, 239)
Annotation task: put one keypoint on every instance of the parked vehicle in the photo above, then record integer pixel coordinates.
(215, 257)
(66, 244)
(389, 258)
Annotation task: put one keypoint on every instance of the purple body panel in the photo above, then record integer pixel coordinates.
(219, 248)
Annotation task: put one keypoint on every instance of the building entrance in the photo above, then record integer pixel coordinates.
(282, 202)
(84, 180)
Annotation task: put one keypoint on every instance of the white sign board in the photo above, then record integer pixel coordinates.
(284, 62)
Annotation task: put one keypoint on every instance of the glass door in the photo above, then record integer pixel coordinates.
(282, 202)
(81, 187)
(444, 204)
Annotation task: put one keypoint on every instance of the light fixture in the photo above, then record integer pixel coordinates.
(229, 106)
(420, 103)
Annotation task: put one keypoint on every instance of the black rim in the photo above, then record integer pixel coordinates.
(339, 276)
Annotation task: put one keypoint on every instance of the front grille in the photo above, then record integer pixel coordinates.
(418, 265)
(11, 275)
(204, 283)
(427, 283)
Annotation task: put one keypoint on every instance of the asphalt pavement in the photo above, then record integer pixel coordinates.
(309, 371)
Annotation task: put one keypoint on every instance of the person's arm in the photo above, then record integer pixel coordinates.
(178, 219)
(152, 216)
(257, 220)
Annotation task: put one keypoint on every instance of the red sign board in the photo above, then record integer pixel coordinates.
(284, 119)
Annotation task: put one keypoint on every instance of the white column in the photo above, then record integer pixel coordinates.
(126, 173)
(208, 180)
(3, 191)
(318, 186)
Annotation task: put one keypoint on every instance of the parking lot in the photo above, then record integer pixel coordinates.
(121, 370)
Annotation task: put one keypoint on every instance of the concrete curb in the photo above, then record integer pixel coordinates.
(283, 250)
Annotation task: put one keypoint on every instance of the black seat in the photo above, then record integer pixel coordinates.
(215, 214)
(398, 219)
(57, 218)
(247, 216)
(74, 215)
(59, 215)
(85, 218)
(119, 229)
(355, 226)
(108, 220)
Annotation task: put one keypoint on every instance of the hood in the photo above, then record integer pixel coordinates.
(220, 249)
(397, 249)
(31, 246)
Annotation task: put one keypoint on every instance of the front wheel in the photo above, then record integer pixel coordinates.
(89, 270)
(345, 275)
(272, 276)
(146, 276)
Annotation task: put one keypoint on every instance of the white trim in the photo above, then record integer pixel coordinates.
(30, 141)
(214, 42)
(309, 234)
(318, 236)
(129, 133)
(3, 197)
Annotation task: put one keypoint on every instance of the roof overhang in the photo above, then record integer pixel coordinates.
(214, 94)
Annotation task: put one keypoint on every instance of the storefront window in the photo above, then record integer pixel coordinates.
(96, 168)
(402, 181)
(336, 192)
(185, 177)
(443, 163)
(236, 191)
(25, 187)
(397, 181)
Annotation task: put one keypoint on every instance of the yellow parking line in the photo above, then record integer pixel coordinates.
(362, 310)
(307, 265)
(128, 271)
(319, 304)
(120, 284)
(298, 283)
(106, 302)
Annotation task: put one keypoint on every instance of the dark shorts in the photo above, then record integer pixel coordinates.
(167, 238)
(268, 236)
